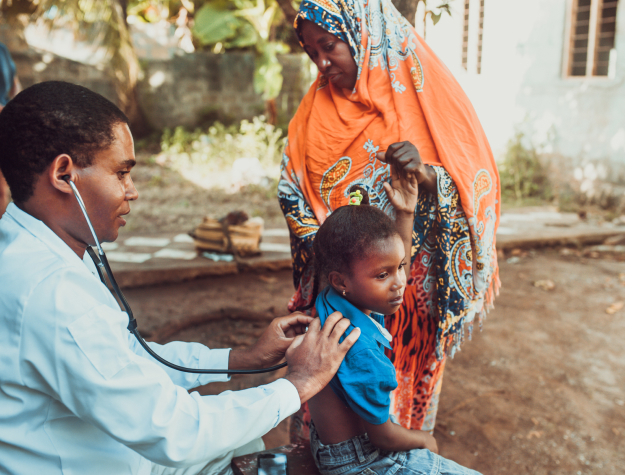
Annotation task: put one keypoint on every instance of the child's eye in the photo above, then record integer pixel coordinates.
(122, 175)
(383, 275)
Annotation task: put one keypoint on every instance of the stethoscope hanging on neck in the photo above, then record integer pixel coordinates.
(101, 263)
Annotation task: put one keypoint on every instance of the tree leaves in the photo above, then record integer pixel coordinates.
(216, 23)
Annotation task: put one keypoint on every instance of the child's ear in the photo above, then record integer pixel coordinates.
(337, 281)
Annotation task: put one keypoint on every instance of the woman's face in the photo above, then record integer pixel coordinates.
(331, 55)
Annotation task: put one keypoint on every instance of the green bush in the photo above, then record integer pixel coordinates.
(522, 174)
(207, 155)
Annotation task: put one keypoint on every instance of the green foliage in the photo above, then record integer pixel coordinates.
(435, 16)
(522, 174)
(217, 22)
(236, 24)
(268, 73)
(205, 153)
(103, 23)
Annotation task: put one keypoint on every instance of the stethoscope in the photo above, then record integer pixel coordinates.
(101, 262)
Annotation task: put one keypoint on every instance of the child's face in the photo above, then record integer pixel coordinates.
(377, 282)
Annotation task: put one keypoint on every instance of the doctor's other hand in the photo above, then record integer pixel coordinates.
(270, 348)
(314, 358)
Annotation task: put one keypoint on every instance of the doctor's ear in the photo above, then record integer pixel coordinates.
(61, 171)
(337, 281)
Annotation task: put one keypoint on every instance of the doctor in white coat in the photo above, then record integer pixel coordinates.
(78, 394)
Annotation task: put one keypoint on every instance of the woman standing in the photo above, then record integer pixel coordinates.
(382, 97)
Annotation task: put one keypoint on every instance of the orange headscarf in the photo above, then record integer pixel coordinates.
(403, 93)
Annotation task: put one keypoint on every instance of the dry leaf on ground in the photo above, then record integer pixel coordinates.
(535, 433)
(546, 284)
(615, 307)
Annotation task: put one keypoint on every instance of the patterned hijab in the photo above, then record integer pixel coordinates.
(403, 93)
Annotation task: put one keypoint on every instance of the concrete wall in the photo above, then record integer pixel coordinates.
(522, 84)
(33, 67)
(189, 88)
(183, 90)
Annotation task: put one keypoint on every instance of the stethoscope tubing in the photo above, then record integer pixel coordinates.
(101, 262)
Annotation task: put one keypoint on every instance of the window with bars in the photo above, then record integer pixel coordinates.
(465, 35)
(480, 34)
(472, 34)
(593, 30)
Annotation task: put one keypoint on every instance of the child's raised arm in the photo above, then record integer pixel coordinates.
(404, 195)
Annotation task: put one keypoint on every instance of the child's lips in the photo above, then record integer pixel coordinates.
(397, 300)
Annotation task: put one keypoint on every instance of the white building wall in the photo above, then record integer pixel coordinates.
(522, 85)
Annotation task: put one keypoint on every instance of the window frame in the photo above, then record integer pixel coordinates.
(592, 42)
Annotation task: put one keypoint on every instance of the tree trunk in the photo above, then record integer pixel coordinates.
(408, 8)
(288, 10)
(271, 111)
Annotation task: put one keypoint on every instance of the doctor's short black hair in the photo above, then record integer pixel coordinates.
(49, 119)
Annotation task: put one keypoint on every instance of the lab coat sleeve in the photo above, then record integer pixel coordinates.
(84, 361)
(190, 355)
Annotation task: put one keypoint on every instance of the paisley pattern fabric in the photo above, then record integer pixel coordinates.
(403, 93)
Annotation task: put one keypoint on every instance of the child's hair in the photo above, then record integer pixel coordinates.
(346, 235)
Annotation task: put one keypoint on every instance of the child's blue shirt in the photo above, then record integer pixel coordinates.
(366, 376)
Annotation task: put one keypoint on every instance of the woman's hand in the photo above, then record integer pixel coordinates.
(405, 157)
(404, 191)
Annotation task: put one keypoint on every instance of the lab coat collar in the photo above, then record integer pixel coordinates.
(42, 232)
(335, 302)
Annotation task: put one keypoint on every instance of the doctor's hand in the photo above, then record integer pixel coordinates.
(270, 348)
(314, 358)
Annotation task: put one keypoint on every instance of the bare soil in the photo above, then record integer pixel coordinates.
(167, 202)
(541, 390)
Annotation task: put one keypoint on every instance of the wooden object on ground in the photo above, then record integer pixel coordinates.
(299, 461)
(210, 235)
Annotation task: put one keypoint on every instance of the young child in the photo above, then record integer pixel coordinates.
(363, 256)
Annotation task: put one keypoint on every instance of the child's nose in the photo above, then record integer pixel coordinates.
(399, 281)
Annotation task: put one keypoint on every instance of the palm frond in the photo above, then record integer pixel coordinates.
(104, 23)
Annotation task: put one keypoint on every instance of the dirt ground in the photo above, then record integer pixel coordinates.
(541, 390)
(168, 202)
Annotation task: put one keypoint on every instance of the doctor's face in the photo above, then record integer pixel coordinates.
(106, 186)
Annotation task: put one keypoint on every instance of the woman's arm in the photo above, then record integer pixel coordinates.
(395, 438)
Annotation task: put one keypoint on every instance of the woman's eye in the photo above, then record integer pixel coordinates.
(329, 46)
(122, 175)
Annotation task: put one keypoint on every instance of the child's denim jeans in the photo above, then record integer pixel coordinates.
(358, 456)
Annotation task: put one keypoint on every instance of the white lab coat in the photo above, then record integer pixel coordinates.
(78, 394)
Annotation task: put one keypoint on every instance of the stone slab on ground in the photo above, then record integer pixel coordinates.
(168, 258)
(140, 260)
(544, 226)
